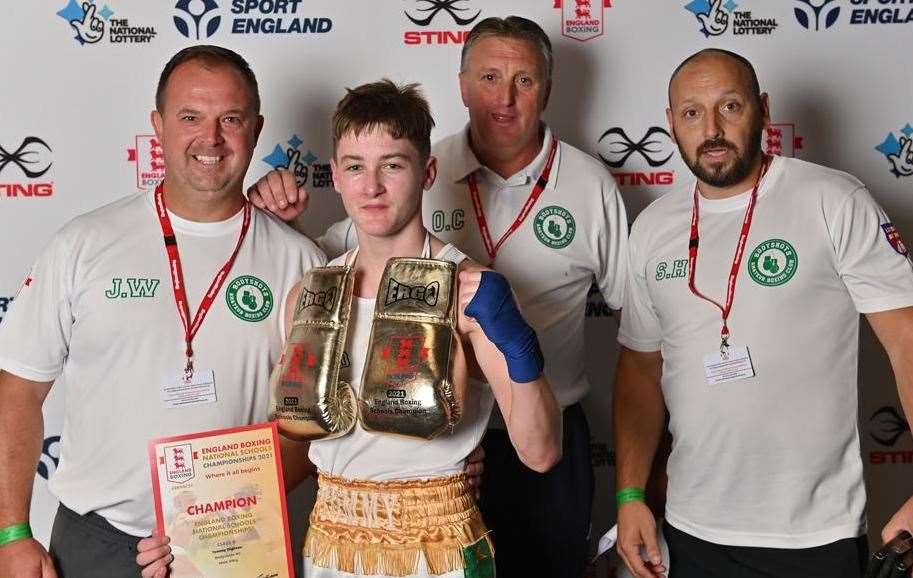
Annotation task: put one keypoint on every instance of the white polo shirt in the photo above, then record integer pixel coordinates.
(98, 317)
(575, 235)
(772, 460)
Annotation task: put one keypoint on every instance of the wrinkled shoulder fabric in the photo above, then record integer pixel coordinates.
(414, 381)
(308, 401)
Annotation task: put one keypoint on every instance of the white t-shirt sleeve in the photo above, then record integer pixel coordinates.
(338, 239)
(612, 246)
(870, 256)
(35, 334)
(639, 328)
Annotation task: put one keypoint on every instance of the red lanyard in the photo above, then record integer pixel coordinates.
(736, 260)
(490, 247)
(177, 276)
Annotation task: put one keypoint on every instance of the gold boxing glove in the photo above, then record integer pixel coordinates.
(407, 385)
(306, 397)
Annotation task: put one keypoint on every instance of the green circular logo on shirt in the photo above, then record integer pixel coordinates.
(249, 298)
(773, 262)
(555, 227)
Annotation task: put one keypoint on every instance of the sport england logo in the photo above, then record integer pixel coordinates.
(899, 151)
(32, 157)
(426, 11)
(249, 298)
(717, 17)
(307, 171)
(781, 139)
(812, 14)
(201, 19)
(581, 20)
(90, 23)
(822, 14)
(198, 14)
(655, 148)
(773, 262)
(149, 159)
(555, 227)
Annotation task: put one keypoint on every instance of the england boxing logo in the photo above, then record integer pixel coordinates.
(582, 19)
(781, 139)
(178, 462)
(149, 158)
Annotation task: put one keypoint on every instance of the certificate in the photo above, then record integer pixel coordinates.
(220, 496)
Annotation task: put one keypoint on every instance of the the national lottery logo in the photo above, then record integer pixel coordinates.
(307, 171)
(31, 159)
(781, 139)
(816, 14)
(717, 17)
(178, 462)
(201, 19)
(92, 22)
(654, 148)
(149, 158)
(582, 19)
(443, 13)
(898, 149)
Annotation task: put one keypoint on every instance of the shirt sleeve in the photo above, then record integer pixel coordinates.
(35, 333)
(338, 239)
(639, 328)
(871, 258)
(613, 246)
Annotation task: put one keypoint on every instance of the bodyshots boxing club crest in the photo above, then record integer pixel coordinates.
(249, 298)
(555, 227)
(773, 262)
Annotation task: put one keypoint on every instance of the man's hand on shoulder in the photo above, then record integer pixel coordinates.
(278, 192)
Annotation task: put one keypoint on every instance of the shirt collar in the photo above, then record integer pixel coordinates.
(466, 163)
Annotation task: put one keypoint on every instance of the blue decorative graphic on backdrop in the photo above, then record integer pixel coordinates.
(899, 151)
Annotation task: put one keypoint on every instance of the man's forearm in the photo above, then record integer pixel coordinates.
(639, 416)
(534, 424)
(21, 435)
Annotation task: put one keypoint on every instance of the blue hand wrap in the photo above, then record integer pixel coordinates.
(494, 308)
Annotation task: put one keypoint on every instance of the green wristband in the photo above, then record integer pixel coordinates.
(15, 533)
(625, 495)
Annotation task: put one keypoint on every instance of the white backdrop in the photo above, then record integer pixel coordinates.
(74, 124)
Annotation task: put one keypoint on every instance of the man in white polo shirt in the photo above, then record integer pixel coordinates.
(550, 218)
(742, 318)
(100, 315)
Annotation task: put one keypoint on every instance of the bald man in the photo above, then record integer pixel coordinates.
(748, 335)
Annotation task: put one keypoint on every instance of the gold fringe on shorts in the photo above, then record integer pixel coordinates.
(364, 527)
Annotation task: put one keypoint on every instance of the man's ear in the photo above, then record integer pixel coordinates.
(430, 173)
(257, 129)
(156, 118)
(765, 109)
(333, 172)
(671, 127)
